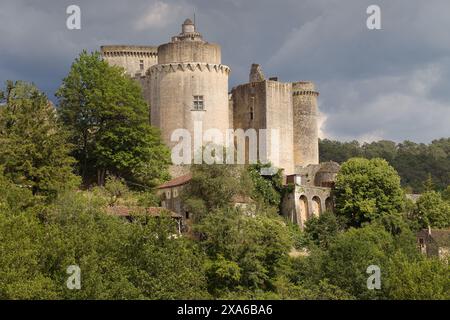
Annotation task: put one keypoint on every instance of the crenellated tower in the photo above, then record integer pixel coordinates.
(188, 85)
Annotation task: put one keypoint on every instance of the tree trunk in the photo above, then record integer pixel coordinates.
(101, 177)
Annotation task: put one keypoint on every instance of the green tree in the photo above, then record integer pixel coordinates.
(345, 263)
(431, 210)
(246, 251)
(330, 150)
(35, 149)
(213, 187)
(109, 124)
(413, 161)
(384, 149)
(422, 279)
(267, 189)
(323, 229)
(367, 189)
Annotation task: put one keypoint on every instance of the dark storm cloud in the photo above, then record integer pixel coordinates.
(391, 83)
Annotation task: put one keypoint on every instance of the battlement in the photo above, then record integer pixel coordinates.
(305, 93)
(130, 51)
(172, 67)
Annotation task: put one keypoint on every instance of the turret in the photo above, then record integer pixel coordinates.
(306, 130)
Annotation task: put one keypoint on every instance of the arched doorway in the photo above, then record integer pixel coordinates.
(303, 210)
(316, 207)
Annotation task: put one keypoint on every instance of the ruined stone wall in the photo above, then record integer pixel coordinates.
(279, 116)
(248, 98)
(305, 122)
(130, 58)
(249, 101)
(305, 202)
(267, 105)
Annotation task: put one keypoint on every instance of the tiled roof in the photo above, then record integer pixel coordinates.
(176, 182)
(441, 236)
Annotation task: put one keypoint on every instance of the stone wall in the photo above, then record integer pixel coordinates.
(172, 89)
(279, 116)
(305, 202)
(306, 130)
(267, 105)
(189, 51)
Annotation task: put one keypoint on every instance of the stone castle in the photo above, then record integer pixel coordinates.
(185, 82)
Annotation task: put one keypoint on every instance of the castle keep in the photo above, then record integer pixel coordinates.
(185, 83)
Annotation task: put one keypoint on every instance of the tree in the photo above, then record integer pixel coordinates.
(338, 151)
(246, 252)
(323, 229)
(35, 149)
(413, 161)
(109, 125)
(345, 263)
(267, 189)
(213, 187)
(422, 279)
(367, 189)
(431, 210)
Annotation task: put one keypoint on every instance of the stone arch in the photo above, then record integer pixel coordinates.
(316, 206)
(329, 204)
(303, 208)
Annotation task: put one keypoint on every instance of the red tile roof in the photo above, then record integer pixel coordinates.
(176, 182)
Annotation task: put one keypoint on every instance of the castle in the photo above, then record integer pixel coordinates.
(185, 83)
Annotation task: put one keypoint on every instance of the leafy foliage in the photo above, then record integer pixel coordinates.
(34, 149)
(367, 189)
(109, 125)
(431, 210)
(414, 162)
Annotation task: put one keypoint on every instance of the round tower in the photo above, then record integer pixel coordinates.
(306, 129)
(188, 85)
(134, 59)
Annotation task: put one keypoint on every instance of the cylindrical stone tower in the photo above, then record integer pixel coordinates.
(306, 129)
(189, 85)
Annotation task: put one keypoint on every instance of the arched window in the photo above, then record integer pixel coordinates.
(316, 207)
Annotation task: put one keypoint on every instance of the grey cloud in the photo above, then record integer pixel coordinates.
(391, 84)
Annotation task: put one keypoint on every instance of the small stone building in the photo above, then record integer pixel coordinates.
(311, 192)
(170, 192)
(434, 242)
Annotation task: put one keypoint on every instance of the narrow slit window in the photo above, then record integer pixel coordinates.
(199, 103)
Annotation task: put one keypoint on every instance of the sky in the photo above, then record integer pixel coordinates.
(392, 83)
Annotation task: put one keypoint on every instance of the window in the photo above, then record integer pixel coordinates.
(252, 107)
(198, 103)
(141, 64)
